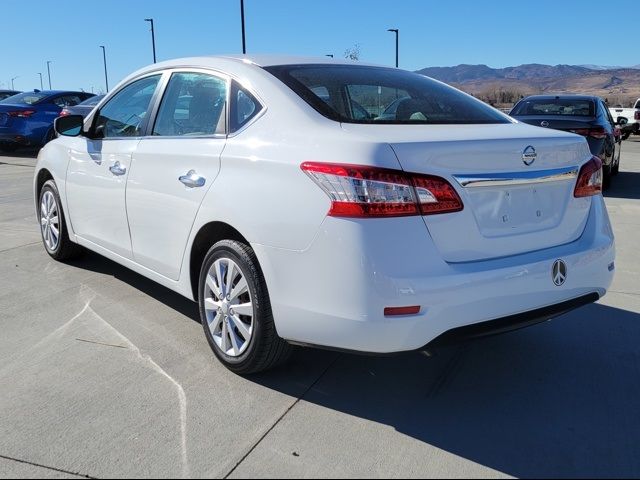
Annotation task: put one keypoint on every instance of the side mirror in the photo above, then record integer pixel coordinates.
(69, 126)
(622, 121)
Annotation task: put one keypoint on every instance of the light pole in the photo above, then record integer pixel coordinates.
(41, 84)
(12, 87)
(244, 41)
(397, 32)
(106, 76)
(49, 72)
(153, 37)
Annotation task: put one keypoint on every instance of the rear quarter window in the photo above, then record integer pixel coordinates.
(244, 107)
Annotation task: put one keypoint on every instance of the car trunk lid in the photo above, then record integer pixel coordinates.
(509, 207)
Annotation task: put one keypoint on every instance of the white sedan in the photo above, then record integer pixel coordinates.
(256, 187)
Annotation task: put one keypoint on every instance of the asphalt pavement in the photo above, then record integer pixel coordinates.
(106, 374)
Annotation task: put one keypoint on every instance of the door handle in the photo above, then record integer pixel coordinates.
(192, 179)
(118, 169)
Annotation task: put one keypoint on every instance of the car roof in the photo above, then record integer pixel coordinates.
(270, 60)
(61, 92)
(562, 96)
(266, 60)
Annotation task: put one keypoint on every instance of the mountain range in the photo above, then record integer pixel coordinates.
(618, 84)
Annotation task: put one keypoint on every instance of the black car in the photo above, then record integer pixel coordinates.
(581, 114)
(84, 108)
(7, 93)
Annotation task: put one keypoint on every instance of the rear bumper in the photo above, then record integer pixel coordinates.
(14, 139)
(513, 322)
(334, 294)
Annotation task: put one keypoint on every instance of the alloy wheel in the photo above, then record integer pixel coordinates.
(228, 307)
(49, 221)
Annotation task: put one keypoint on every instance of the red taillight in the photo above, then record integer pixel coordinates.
(590, 179)
(596, 132)
(21, 113)
(360, 191)
(436, 195)
(65, 113)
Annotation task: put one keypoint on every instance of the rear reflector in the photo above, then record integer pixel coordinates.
(398, 311)
(590, 179)
(360, 191)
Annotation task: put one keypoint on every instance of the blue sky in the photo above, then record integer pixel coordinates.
(498, 33)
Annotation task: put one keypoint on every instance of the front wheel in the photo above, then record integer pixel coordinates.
(52, 225)
(51, 135)
(235, 310)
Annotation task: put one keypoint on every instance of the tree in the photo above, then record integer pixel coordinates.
(353, 53)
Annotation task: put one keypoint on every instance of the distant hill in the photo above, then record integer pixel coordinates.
(618, 85)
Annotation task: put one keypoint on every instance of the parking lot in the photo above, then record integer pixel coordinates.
(105, 373)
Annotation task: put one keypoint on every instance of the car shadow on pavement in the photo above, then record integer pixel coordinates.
(625, 185)
(559, 399)
(96, 263)
(556, 400)
(21, 153)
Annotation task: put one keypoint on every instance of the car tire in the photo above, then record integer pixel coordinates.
(616, 168)
(244, 342)
(606, 176)
(8, 148)
(51, 135)
(52, 219)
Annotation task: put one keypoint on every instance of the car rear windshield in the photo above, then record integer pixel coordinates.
(555, 106)
(25, 98)
(93, 101)
(362, 94)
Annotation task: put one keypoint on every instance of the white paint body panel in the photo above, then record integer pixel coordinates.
(162, 210)
(95, 196)
(329, 279)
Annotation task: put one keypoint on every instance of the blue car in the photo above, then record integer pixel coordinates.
(26, 119)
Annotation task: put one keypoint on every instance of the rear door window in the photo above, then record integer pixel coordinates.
(193, 105)
(67, 101)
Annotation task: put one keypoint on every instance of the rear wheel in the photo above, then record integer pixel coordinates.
(236, 312)
(52, 225)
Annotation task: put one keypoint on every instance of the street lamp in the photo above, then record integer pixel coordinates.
(153, 37)
(397, 32)
(41, 85)
(106, 76)
(244, 42)
(12, 87)
(329, 55)
(49, 72)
